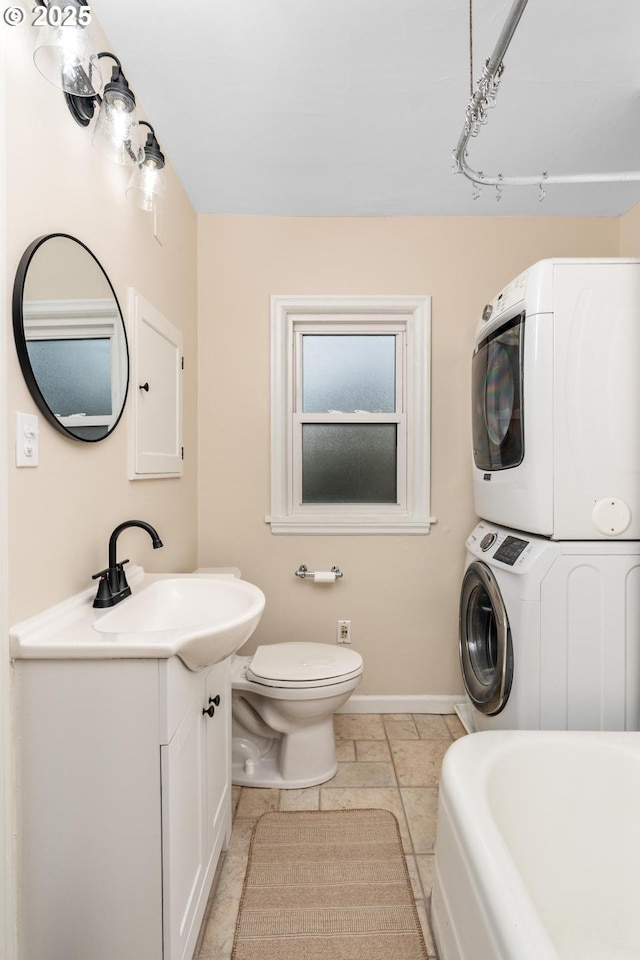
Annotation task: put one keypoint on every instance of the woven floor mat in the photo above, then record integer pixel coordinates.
(327, 885)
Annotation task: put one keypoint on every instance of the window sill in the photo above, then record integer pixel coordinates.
(351, 526)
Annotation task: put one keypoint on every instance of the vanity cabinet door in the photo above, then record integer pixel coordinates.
(218, 747)
(183, 762)
(196, 798)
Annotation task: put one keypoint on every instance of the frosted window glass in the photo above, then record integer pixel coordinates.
(74, 376)
(348, 373)
(349, 463)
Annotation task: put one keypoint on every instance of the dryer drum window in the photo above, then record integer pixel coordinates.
(497, 411)
(486, 649)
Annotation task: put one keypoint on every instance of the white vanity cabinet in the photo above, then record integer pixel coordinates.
(196, 807)
(124, 805)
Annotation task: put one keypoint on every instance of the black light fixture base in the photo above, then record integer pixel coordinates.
(81, 108)
(153, 155)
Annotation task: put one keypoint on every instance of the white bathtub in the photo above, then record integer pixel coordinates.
(538, 848)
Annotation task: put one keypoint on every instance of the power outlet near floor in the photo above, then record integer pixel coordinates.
(343, 631)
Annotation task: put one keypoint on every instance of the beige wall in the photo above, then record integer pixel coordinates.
(401, 593)
(630, 233)
(61, 514)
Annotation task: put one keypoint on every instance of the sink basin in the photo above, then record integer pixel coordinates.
(204, 619)
(200, 617)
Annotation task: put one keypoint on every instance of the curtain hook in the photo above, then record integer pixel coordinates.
(477, 187)
(542, 193)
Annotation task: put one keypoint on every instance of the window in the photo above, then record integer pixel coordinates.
(75, 350)
(350, 415)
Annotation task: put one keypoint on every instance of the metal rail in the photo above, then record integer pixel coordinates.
(477, 114)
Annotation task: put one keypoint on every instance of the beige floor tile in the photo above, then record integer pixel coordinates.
(235, 799)
(426, 927)
(369, 798)
(401, 729)
(421, 808)
(241, 838)
(369, 750)
(454, 726)
(307, 799)
(358, 726)
(425, 864)
(256, 800)
(418, 762)
(414, 876)
(397, 716)
(432, 726)
(218, 936)
(363, 775)
(345, 750)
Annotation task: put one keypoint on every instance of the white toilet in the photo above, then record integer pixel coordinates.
(282, 707)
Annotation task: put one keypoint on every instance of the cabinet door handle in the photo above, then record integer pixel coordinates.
(213, 703)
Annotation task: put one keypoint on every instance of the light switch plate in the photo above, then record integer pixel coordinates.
(27, 430)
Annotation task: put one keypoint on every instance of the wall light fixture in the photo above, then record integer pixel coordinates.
(66, 56)
(65, 53)
(116, 134)
(148, 183)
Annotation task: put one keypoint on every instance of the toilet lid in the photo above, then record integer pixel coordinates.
(303, 664)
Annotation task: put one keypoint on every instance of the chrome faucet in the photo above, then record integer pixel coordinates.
(113, 586)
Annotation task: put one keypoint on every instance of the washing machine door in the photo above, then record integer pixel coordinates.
(486, 650)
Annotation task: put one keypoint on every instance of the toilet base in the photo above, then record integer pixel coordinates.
(266, 774)
(290, 761)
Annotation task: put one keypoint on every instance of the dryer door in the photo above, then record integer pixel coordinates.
(486, 650)
(497, 408)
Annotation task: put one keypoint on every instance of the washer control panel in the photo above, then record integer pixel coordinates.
(509, 550)
(504, 546)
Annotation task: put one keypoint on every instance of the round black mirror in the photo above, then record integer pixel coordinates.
(70, 337)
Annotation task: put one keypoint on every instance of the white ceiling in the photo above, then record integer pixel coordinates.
(353, 107)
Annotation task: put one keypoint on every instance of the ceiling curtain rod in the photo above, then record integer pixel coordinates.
(477, 115)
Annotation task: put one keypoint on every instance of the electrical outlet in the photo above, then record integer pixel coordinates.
(343, 631)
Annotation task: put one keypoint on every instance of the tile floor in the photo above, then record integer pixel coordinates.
(388, 761)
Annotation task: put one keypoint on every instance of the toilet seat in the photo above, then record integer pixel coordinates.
(303, 665)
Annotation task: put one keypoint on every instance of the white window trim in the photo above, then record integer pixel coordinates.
(82, 319)
(348, 519)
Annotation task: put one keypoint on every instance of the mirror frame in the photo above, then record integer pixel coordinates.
(21, 340)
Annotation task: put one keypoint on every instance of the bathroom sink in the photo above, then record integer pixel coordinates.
(201, 618)
(204, 619)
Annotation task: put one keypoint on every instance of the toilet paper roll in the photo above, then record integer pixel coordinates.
(324, 576)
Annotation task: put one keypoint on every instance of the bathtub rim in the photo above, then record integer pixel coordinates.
(491, 875)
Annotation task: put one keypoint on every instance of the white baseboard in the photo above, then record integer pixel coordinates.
(418, 703)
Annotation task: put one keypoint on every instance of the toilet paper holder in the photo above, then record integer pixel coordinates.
(303, 573)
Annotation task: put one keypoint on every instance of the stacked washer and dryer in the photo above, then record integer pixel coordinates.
(550, 600)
